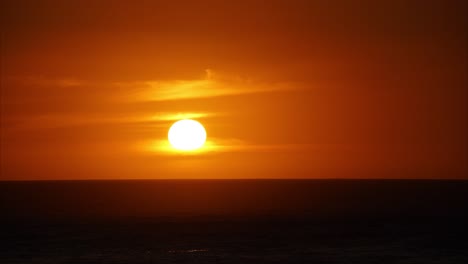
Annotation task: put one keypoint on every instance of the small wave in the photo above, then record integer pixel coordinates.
(197, 250)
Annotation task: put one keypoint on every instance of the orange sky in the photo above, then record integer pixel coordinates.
(285, 89)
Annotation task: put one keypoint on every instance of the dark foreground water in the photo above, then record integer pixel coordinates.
(234, 221)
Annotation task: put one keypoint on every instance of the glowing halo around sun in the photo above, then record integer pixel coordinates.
(187, 135)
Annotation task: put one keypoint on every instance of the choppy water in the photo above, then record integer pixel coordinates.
(234, 221)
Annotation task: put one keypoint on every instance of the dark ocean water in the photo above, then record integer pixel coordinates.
(234, 221)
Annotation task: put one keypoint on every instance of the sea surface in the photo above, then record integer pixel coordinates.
(234, 221)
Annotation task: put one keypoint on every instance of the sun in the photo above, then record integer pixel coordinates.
(187, 134)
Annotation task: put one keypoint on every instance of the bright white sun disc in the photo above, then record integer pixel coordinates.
(187, 134)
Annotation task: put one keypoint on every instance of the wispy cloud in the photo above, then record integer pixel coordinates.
(44, 81)
(212, 85)
(230, 145)
(67, 120)
(212, 145)
(169, 116)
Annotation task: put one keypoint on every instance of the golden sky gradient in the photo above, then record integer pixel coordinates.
(285, 89)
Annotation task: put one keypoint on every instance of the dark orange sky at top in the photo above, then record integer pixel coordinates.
(285, 89)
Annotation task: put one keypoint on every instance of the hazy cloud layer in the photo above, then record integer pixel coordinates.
(213, 85)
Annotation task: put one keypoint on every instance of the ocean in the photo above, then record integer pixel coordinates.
(234, 221)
